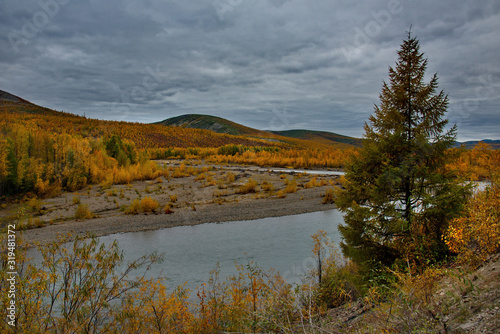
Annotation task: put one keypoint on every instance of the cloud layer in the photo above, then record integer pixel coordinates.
(269, 64)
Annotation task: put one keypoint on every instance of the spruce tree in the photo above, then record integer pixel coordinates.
(398, 198)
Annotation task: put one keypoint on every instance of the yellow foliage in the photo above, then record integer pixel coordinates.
(133, 208)
(173, 198)
(148, 204)
(249, 187)
(168, 209)
(122, 175)
(267, 186)
(83, 212)
(35, 204)
(76, 200)
(291, 186)
(281, 194)
(41, 187)
(46, 190)
(230, 177)
(480, 163)
(150, 309)
(312, 183)
(477, 234)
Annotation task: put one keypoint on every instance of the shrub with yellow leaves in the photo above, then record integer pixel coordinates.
(149, 205)
(476, 234)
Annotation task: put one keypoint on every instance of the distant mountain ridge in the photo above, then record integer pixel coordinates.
(207, 122)
(18, 112)
(6, 97)
(12, 103)
(320, 136)
(495, 144)
(222, 125)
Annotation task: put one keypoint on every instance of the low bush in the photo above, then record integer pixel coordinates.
(133, 208)
(476, 234)
(291, 187)
(76, 200)
(230, 177)
(281, 194)
(329, 196)
(249, 187)
(312, 183)
(148, 204)
(340, 284)
(46, 190)
(83, 212)
(35, 205)
(168, 209)
(267, 186)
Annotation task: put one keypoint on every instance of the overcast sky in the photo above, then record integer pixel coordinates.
(268, 64)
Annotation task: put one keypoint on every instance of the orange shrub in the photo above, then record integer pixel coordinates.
(148, 204)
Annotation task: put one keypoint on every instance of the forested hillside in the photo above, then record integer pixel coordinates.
(45, 151)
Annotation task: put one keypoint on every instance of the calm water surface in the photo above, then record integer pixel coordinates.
(191, 252)
(306, 171)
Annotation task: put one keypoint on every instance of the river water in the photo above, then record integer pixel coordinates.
(306, 171)
(191, 252)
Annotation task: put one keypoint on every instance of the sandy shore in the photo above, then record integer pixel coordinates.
(207, 196)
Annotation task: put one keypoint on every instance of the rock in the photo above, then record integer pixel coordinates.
(467, 326)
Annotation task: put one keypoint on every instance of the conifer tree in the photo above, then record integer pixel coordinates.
(398, 198)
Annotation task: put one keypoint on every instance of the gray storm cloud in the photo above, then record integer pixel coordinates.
(268, 64)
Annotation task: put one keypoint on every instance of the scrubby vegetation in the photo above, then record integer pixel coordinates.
(410, 220)
(82, 212)
(105, 299)
(148, 204)
(249, 187)
(476, 234)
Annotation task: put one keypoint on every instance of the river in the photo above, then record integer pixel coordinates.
(191, 252)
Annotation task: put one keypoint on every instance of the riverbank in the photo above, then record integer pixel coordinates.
(195, 194)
